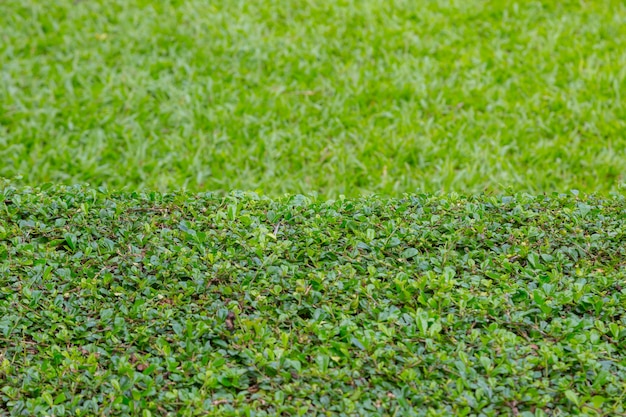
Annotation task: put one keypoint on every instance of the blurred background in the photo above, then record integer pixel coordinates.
(298, 96)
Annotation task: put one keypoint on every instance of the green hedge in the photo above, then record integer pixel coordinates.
(206, 304)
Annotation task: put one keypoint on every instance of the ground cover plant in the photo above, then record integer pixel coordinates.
(212, 304)
(337, 97)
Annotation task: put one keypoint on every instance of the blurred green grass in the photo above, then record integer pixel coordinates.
(341, 97)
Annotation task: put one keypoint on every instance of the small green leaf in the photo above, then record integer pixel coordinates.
(322, 362)
(232, 212)
(357, 343)
(70, 239)
(60, 398)
(533, 259)
(572, 396)
(47, 398)
(598, 401)
(409, 253)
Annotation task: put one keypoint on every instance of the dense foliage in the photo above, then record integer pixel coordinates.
(207, 304)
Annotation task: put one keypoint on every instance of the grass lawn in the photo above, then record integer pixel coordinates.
(335, 97)
(198, 304)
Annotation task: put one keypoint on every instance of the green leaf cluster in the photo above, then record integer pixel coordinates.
(208, 304)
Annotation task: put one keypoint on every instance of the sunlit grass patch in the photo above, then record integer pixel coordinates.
(334, 97)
